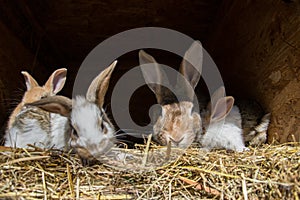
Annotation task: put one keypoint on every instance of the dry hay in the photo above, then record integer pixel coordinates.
(267, 172)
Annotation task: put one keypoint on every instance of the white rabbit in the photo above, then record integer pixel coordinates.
(33, 125)
(93, 134)
(222, 124)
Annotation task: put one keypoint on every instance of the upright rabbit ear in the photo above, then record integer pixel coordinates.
(222, 108)
(154, 77)
(55, 104)
(191, 65)
(191, 68)
(98, 88)
(218, 94)
(29, 81)
(56, 81)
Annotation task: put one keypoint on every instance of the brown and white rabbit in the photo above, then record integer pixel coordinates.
(93, 134)
(222, 124)
(33, 125)
(178, 123)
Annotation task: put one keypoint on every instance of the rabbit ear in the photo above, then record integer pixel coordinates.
(191, 65)
(98, 88)
(55, 104)
(56, 81)
(222, 108)
(218, 94)
(29, 80)
(154, 77)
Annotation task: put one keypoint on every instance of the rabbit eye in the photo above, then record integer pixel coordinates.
(44, 96)
(101, 121)
(103, 128)
(74, 134)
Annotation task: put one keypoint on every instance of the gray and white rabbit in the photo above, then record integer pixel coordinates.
(255, 122)
(33, 125)
(93, 134)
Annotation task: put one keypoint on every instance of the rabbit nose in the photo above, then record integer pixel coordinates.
(176, 141)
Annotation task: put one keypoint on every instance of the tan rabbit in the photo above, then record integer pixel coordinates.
(33, 125)
(93, 134)
(178, 123)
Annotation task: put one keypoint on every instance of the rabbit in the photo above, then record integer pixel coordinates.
(33, 125)
(258, 134)
(254, 122)
(222, 124)
(92, 134)
(178, 123)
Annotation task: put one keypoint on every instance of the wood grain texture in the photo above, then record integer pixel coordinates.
(259, 55)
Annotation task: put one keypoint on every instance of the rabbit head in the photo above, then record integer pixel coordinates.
(93, 133)
(218, 108)
(35, 92)
(178, 123)
(222, 124)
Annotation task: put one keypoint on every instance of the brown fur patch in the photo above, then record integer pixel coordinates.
(176, 122)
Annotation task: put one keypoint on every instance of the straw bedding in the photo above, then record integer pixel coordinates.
(266, 172)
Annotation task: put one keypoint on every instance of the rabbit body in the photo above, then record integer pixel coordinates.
(255, 123)
(224, 134)
(40, 128)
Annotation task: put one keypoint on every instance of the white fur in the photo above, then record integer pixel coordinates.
(85, 118)
(17, 138)
(29, 131)
(224, 134)
(60, 132)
